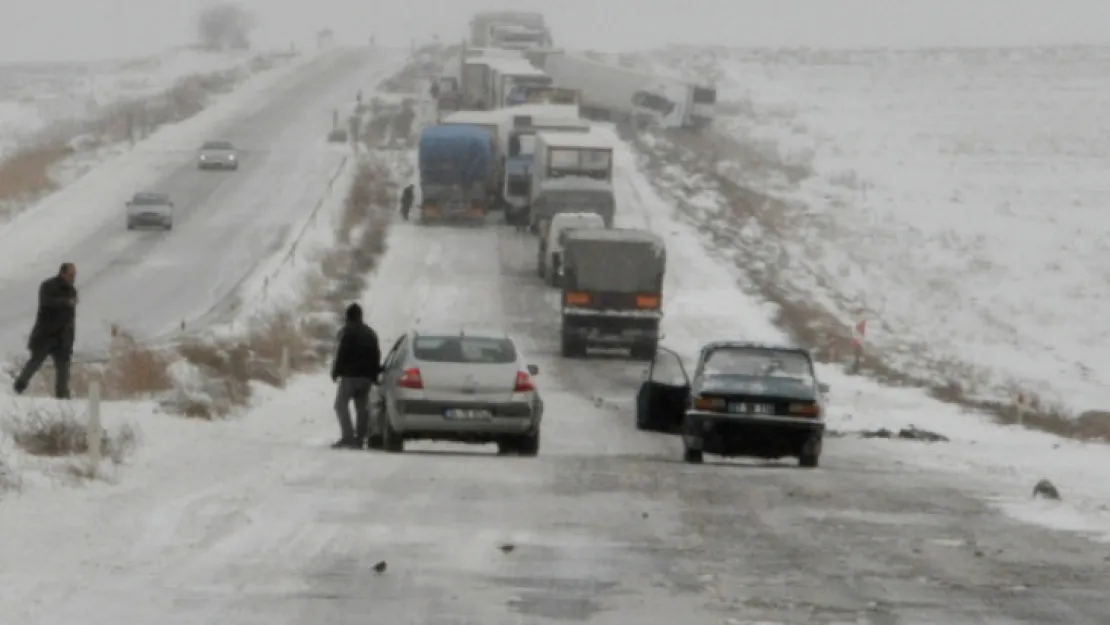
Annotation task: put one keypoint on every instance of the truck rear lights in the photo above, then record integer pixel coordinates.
(647, 301)
(577, 298)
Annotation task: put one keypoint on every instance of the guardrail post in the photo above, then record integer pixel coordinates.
(283, 367)
(94, 433)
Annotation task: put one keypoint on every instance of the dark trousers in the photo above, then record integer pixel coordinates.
(358, 391)
(405, 208)
(60, 354)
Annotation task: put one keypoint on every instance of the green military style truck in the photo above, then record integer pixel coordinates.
(612, 283)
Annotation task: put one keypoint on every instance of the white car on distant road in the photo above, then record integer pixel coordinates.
(218, 155)
(459, 386)
(146, 209)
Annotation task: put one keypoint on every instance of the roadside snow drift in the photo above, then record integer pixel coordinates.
(956, 197)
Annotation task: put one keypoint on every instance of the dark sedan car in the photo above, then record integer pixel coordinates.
(745, 399)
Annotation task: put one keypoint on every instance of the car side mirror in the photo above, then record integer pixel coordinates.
(533, 370)
(824, 388)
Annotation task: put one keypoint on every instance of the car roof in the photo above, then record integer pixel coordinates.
(150, 195)
(216, 142)
(762, 345)
(460, 330)
(617, 234)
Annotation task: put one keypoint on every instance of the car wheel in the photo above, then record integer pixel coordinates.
(809, 461)
(130, 226)
(692, 456)
(392, 441)
(169, 226)
(528, 445)
(642, 351)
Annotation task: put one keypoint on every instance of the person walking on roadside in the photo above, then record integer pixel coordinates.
(406, 201)
(54, 331)
(356, 367)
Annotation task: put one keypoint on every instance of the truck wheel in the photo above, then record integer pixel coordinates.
(572, 348)
(642, 351)
(692, 456)
(809, 461)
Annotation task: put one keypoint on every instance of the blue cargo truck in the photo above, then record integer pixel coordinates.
(456, 170)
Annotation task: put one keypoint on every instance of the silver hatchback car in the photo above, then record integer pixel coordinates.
(458, 386)
(218, 155)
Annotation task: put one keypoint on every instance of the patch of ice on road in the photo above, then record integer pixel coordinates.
(995, 460)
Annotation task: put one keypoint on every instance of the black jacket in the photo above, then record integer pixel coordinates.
(358, 355)
(406, 197)
(55, 322)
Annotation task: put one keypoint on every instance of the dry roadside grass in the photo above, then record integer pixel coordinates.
(809, 322)
(26, 174)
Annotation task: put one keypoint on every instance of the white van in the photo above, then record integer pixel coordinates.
(551, 241)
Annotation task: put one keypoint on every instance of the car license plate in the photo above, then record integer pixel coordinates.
(467, 414)
(750, 408)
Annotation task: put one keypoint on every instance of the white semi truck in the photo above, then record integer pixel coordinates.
(517, 30)
(508, 81)
(612, 92)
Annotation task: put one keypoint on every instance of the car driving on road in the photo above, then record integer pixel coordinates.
(745, 399)
(218, 155)
(457, 385)
(146, 209)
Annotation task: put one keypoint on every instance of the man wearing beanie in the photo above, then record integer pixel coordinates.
(356, 367)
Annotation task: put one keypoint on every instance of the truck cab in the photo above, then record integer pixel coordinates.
(549, 263)
(520, 143)
(509, 79)
(567, 161)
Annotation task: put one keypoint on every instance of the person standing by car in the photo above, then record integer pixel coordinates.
(54, 331)
(406, 201)
(356, 367)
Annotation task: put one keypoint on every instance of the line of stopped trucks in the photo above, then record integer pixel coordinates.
(514, 134)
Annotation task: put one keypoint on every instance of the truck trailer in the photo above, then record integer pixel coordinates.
(493, 123)
(615, 93)
(456, 164)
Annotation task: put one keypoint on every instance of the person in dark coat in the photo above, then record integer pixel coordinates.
(54, 331)
(356, 367)
(406, 201)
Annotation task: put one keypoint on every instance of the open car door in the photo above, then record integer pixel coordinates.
(662, 398)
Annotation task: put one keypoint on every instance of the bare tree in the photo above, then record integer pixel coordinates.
(225, 26)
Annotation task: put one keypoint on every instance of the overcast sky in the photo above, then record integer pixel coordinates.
(95, 29)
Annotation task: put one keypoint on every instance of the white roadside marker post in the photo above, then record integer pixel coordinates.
(94, 433)
(1019, 409)
(283, 369)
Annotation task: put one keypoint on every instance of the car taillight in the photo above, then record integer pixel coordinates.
(709, 403)
(523, 383)
(411, 379)
(805, 410)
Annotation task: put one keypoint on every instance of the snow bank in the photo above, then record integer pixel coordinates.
(956, 195)
(705, 300)
(62, 219)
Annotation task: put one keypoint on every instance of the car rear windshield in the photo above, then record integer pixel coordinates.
(758, 363)
(464, 349)
(217, 145)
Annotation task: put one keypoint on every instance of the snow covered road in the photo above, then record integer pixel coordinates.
(225, 222)
(256, 522)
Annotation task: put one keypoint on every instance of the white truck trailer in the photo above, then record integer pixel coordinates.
(612, 92)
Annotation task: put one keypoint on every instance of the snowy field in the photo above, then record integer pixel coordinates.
(36, 96)
(955, 196)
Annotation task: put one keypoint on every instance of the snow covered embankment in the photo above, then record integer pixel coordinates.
(57, 124)
(831, 247)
